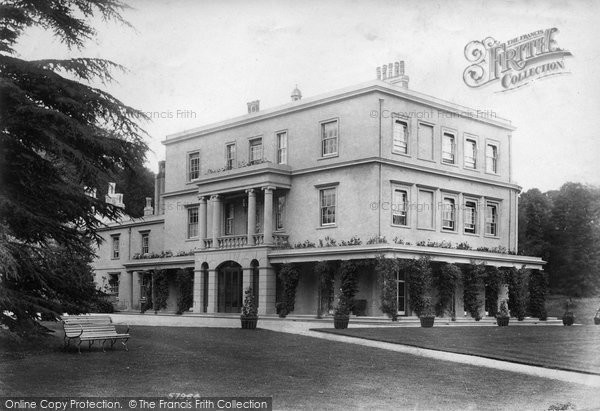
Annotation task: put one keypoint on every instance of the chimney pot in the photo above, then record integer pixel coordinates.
(253, 106)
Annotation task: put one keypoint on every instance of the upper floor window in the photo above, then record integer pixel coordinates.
(491, 158)
(279, 212)
(448, 214)
(145, 243)
(192, 226)
(229, 208)
(329, 138)
(193, 166)
(230, 156)
(491, 219)
(328, 206)
(282, 148)
(470, 217)
(448, 148)
(400, 137)
(425, 139)
(470, 153)
(256, 150)
(116, 246)
(399, 201)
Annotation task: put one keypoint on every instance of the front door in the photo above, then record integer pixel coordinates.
(230, 289)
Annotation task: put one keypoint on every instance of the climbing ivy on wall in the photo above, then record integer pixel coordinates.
(161, 289)
(326, 274)
(289, 276)
(446, 277)
(419, 278)
(185, 286)
(473, 284)
(494, 279)
(387, 270)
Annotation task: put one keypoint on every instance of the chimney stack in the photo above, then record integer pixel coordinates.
(113, 197)
(159, 189)
(148, 210)
(393, 73)
(253, 106)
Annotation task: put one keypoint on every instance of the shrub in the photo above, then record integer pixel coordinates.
(473, 275)
(538, 288)
(249, 308)
(349, 280)
(161, 293)
(289, 277)
(493, 280)
(387, 270)
(419, 279)
(517, 291)
(446, 278)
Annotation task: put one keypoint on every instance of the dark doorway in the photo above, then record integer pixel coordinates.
(230, 287)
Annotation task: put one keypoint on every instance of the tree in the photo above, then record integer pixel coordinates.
(535, 210)
(574, 257)
(58, 138)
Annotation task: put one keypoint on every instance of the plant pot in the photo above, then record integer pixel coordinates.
(502, 321)
(249, 323)
(568, 320)
(427, 322)
(340, 323)
(597, 320)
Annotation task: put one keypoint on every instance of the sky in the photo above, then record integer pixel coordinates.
(192, 63)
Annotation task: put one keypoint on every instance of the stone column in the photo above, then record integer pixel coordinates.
(125, 290)
(251, 215)
(136, 290)
(268, 215)
(216, 222)
(246, 279)
(266, 288)
(198, 280)
(202, 221)
(212, 292)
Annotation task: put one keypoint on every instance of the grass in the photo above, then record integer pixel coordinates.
(569, 348)
(298, 371)
(584, 308)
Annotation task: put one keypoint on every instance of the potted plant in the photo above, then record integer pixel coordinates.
(249, 315)
(503, 316)
(568, 317)
(341, 317)
(427, 315)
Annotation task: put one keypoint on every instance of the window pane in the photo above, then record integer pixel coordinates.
(256, 150)
(470, 154)
(448, 214)
(328, 205)
(448, 148)
(400, 137)
(282, 148)
(329, 135)
(192, 222)
(399, 215)
(491, 158)
(470, 217)
(491, 220)
(194, 166)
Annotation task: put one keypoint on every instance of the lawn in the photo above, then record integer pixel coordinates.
(299, 372)
(575, 348)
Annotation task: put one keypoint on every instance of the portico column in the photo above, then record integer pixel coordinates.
(202, 221)
(268, 215)
(136, 290)
(212, 292)
(216, 223)
(197, 306)
(266, 290)
(125, 291)
(251, 215)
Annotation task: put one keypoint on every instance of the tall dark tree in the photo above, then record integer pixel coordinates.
(535, 209)
(574, 258)
(60, 134)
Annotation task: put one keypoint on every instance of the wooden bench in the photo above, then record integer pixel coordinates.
(92, 328)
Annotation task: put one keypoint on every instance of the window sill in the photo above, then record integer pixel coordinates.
(427, 159)
(474, 170)
(492, 174)
(325, 227)
(398, 153)
(494, 237)
(327, 157)
(192, 239)
(426, 229)
(449, 231)
(400, 226)
(472, 235)
(450, 164)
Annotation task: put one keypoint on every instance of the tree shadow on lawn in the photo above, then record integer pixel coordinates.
(297, 371)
